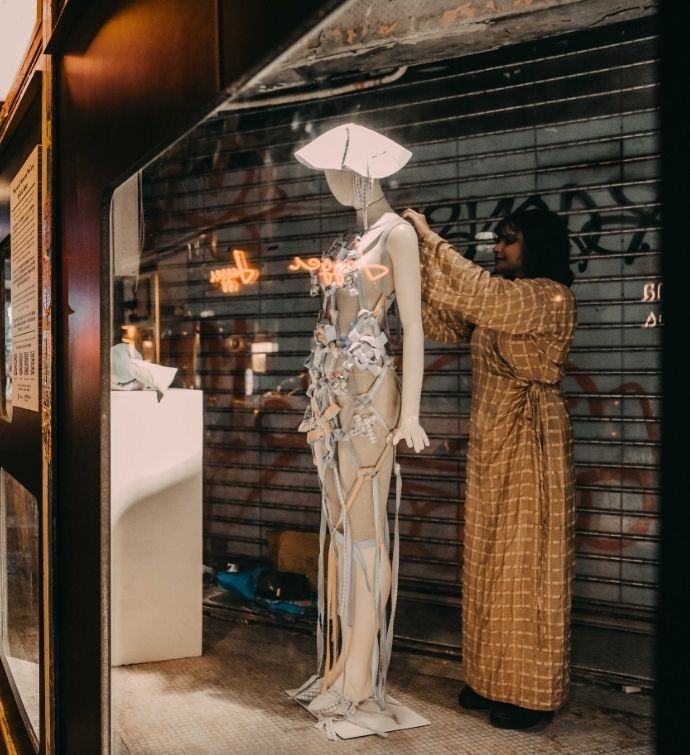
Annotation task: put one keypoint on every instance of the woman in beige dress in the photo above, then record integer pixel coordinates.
(519, 505)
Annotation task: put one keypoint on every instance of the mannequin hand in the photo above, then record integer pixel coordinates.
(413, 433)
(418, 221)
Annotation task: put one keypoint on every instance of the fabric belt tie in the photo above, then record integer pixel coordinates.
(535, 402)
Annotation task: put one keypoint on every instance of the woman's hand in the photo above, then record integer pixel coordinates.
(418, 222)
(412, 433)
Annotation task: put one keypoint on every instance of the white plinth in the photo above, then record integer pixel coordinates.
(156, 520)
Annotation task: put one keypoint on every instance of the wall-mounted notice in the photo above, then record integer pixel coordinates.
(25, 250)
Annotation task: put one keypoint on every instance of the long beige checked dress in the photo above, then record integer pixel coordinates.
(519, 505)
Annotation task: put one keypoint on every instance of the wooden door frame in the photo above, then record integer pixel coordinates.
(122, 96)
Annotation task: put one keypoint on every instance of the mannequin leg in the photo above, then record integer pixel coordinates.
(360, 637)
(363, 529)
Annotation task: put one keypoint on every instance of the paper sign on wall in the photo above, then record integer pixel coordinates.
(25, 250)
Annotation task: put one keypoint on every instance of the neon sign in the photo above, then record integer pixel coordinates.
(230, 279)
(330, 271)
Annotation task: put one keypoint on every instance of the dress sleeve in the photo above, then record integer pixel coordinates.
(444, 326)
(453, 284)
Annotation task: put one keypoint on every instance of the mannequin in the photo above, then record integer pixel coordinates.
(358, 413)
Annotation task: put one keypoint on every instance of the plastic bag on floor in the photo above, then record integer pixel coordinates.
(241, 582)
(282, 592)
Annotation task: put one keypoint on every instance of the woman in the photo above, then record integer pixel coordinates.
(519, 505)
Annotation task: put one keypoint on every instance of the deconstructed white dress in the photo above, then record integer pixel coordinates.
(354, 408)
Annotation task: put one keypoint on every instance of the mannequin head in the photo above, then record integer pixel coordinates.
(341, 184)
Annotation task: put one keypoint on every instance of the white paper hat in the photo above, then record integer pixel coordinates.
(355, 148)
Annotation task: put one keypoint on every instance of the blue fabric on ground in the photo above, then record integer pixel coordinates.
(243, 583)
(285, 606)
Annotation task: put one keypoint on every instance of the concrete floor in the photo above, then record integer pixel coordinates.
(231, 701)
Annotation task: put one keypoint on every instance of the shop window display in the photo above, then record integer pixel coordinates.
(232, 232)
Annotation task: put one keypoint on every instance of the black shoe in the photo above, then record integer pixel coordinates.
(472, 700)
(507, 716)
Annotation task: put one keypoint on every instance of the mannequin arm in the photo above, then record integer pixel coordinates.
(402, 249)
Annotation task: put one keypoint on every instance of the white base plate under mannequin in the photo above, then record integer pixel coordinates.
(395, 718)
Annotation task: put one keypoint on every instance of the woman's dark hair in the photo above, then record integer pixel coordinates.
(547, 246)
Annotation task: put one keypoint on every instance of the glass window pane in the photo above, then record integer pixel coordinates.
(19, 596)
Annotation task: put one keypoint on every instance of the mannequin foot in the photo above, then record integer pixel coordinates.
(331, 703)
(309, 690)
(354, 692)
(358, 694)
(471, 700)
(507, 716)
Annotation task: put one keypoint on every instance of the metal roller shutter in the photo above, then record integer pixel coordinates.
(569, 122)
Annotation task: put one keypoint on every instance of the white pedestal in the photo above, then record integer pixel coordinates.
(156, 520)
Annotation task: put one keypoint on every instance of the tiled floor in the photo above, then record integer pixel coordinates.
(230, 701)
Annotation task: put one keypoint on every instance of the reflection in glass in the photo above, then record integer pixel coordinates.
(19, 595)
(135, 292)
